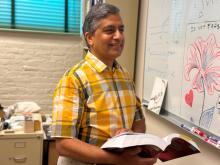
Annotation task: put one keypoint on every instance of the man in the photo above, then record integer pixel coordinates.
(96, 99)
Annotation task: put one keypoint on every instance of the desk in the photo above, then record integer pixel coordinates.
(50, 155)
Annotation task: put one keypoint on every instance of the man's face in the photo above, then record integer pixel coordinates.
(107, 42)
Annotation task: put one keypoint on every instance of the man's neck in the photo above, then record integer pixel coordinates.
(107, 62)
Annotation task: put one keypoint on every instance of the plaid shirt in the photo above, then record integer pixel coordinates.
(92, 101)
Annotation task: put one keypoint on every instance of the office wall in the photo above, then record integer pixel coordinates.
(32, 63)
(129, 14)
(158, 125)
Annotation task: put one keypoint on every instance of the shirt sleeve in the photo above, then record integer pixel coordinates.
(67, 107)
(139, 110)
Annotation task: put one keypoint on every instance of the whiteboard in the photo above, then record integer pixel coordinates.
(183, 47)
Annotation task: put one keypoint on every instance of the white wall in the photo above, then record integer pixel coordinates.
(32, 63)
(156, 124)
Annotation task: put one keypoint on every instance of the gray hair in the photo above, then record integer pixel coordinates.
(96, 13)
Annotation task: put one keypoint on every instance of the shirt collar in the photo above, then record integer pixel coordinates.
(98, 64)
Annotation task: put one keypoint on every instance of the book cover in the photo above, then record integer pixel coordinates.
(170, 147)
(157, 95)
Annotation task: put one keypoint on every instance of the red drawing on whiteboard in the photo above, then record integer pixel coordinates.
(202, 58)
(189, 98)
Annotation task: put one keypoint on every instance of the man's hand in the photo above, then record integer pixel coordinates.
(130, 157)
(123, 130)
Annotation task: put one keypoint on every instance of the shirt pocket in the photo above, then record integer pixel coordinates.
(102, 101)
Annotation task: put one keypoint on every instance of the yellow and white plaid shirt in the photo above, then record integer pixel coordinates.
(92, 101)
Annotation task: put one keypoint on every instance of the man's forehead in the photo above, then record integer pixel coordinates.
(112, 26)
(112, 20)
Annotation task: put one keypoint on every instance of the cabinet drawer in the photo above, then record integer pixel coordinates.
(25, 151)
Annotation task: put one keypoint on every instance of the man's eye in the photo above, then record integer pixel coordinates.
(109, 31)
(121, 29)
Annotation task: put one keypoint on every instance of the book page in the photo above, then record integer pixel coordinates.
(134, 139)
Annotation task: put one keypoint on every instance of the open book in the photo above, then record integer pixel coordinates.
(170, 147)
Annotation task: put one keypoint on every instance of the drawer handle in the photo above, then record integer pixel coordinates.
(20, 159)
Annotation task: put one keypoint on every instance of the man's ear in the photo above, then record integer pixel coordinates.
(89, 38)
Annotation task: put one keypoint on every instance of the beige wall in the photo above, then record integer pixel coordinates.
(159, 126)
(129, 13)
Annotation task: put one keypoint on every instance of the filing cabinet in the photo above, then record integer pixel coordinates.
(19, 148)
